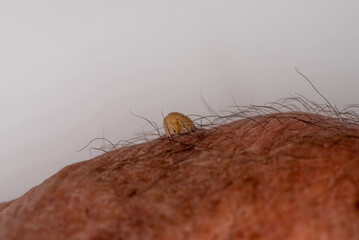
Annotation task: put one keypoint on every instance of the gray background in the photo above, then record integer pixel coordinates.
(71, 71)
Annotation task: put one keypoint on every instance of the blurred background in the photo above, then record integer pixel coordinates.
(71, 71)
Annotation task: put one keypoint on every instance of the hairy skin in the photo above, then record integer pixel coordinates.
(278, 176)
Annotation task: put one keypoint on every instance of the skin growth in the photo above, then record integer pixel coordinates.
(177, 123)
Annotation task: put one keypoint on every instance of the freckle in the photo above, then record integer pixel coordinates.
(177, 123)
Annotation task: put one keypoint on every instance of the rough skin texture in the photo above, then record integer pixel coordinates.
(279, 176)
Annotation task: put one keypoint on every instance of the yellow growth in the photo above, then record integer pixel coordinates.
(177, 123)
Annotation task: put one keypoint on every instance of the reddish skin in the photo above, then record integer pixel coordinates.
(294, 177)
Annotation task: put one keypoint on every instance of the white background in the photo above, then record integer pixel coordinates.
(71, 71)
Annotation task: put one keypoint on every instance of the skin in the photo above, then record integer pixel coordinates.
(278, 176)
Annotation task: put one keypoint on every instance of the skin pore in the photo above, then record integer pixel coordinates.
(267, 172)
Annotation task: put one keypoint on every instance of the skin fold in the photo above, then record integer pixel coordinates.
(274, 176)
